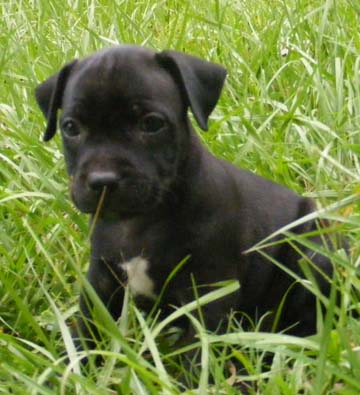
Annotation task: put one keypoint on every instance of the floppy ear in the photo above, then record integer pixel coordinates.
(49, 96)
(200, 81)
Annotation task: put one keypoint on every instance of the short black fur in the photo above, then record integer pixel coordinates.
(167, 197)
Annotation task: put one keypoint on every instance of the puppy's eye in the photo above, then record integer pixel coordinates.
(70, 128)
(152, 123)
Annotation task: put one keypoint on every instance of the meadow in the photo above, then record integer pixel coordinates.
(290, 112)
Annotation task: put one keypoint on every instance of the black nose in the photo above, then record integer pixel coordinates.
(97, 180)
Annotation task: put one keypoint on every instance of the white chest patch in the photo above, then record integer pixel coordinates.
(138, 280)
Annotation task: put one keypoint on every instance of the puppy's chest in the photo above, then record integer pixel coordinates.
(144, 258)
(138, 277)
(147, 272)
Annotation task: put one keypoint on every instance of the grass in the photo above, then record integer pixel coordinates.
(290, 112)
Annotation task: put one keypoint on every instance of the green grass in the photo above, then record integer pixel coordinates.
(290, 112)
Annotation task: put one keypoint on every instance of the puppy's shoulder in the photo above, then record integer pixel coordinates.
(267, 198)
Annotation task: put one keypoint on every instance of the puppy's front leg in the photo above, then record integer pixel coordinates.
(108, 283)
(213, 318)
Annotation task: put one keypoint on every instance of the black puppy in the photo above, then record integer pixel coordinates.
(160, 196)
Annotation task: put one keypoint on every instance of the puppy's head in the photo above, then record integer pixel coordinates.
(124, 123)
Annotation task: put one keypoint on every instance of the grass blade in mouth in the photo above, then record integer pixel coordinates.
(98, 209)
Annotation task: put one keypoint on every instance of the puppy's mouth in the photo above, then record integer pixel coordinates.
(117, 199)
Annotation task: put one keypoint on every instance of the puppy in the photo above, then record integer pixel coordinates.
(157, 195)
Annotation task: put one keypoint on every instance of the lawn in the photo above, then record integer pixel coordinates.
(290, 111)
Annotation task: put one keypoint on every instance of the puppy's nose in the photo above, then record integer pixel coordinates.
(97, 180)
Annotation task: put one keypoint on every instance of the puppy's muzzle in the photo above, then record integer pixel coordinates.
(125, 191)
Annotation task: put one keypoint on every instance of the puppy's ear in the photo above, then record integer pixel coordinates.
(49, 96)
(200, 81)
